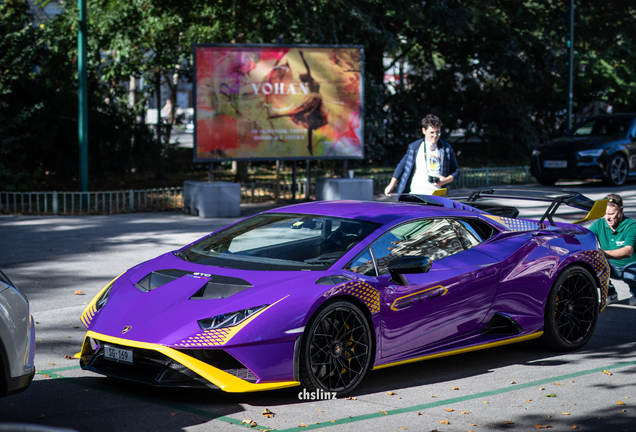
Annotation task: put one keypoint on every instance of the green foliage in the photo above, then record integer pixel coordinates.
(496, 68)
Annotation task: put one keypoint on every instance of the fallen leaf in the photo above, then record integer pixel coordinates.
(599, 418)
(558, 384)
(542, 388)
(391, 393)
(550, 395)
(543, 426)
(444, 422)
(41, 416)
(549, 416)
(465, 412)
(79, 293)
(173, 414)
(303, 425)
(351, 398)
(267, 413)
(320, 411)
(419, 413)
(528, 400)
(449, 410)
(403, 429)
(473, 424)
(571, 381)
(509, 422)
(52, 363)
(574, 426)
(332, 421)
(383, 412)
(607, 372)
(565, 413)
(621, 403)
(512, 382)
(250, 423)
(69, 357)
(486, 402)
(433, 396)
(455, 388)
(47, 376)
(624, 410)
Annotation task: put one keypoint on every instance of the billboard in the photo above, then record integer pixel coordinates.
(266, 102)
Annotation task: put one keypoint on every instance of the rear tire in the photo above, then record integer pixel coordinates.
(571, 311)
(336, 349)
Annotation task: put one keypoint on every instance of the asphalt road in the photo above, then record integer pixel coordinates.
(516, 387)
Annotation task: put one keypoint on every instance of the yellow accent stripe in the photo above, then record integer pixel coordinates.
(597, 212)
(414, 294)
(221, 379)
(462, 350)
(86, 320)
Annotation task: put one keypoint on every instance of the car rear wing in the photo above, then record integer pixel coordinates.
(595, 209)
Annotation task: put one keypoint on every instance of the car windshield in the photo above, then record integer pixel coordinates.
(274, 241)
(600, 126)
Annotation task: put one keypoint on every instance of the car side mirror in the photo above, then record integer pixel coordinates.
(408, 265)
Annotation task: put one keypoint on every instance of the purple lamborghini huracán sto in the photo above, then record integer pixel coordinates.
(316, 294)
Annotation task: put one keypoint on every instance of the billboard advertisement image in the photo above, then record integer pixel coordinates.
(266, 102)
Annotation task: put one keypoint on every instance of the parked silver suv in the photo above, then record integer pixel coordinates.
(17, 339)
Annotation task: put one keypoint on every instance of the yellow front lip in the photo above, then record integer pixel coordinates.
(221, 379)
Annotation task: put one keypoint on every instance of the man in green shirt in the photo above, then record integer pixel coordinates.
(617, 235)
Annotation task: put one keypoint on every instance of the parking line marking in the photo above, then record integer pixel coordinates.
(421, 407)
(341, 421)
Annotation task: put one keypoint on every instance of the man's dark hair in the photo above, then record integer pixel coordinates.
(615, 200)
(431, 120)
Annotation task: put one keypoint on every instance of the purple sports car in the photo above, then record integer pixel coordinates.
(316, 294)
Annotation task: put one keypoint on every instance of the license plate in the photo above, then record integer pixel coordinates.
(555, 164)
(118, 354)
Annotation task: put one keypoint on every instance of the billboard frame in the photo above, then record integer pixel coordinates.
(293, 158)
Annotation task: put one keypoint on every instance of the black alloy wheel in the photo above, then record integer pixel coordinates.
(617, 171)
(336, 349)
(571, 311)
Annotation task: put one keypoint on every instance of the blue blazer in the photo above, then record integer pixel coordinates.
(405, 171)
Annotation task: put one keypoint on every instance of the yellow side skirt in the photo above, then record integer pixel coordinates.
(221, 379)
(462, 350)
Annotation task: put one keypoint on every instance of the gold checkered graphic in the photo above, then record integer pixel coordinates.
(517, 224)
(213, 337)
(88, 315)
(598, 262)
(364, 292)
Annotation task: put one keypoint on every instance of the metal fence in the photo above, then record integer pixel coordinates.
(470, 178)
(140, 200)
(83, 203)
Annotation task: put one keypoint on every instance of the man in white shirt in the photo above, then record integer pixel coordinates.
(428, 164)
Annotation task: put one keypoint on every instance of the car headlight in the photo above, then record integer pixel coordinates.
(536, 152)
(229, 319)
(589, 153)
(103, 299)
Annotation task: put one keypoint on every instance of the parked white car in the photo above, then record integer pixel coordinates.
(17, 339)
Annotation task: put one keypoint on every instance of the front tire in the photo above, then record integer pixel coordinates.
(336, 349)
(617, 171)
(571, 311)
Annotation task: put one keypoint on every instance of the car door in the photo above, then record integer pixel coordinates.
(448, 301)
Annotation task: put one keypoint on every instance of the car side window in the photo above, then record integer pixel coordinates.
(433, 238)
(466, 233)
(362, 264)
